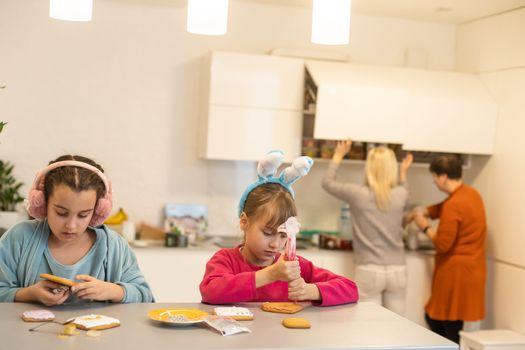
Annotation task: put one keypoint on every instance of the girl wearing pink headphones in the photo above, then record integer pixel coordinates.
(70, 199)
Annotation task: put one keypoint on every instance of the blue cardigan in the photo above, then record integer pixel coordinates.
(22, 254)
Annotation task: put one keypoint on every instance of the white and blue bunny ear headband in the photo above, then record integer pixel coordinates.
(267, 168)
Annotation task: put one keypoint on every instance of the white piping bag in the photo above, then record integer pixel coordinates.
(292, 227)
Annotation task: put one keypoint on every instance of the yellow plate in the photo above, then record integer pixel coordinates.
(178, 316)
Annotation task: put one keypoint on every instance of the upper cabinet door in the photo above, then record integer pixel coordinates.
(423, 110)
(365, 103)
(450, 112)
(253, 104)
(256, 81)
(240, 133)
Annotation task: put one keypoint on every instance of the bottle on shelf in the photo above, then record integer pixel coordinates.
(345, 222)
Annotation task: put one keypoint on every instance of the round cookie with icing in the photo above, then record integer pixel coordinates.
(38, 316)
(88, 322)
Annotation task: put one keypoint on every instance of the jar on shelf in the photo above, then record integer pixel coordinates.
(357, 151)
(327, 149)
(311, 148)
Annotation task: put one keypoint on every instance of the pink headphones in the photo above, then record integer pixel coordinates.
(36, 201)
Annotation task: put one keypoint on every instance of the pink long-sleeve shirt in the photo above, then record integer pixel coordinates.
(230, 279)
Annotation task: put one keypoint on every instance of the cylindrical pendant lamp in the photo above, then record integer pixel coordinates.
(71, 10)
(331, 22)
(207, 17)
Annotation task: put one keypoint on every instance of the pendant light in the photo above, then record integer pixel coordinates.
(71, 10)
(331, 22)
(207, 17)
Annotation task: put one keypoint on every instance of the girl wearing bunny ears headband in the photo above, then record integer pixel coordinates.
(79, 174)
(257, 270)
(267, 168)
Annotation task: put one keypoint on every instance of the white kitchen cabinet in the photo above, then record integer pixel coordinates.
(359, 102)
(256, 81)
(435, 111)
(339, 262)
(174, 274)
(252, 104)
(450, 112)
(420, 267)
(248, 133)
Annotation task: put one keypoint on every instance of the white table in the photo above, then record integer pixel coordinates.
(355, 326)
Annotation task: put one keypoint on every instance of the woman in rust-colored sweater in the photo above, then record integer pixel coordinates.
(458, 283)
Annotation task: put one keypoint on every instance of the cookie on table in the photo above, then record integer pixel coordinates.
(296, 322)
(96, 322)
(69, 329)
(237, 313)
(282, 307)
(38, 316)
(57, 279)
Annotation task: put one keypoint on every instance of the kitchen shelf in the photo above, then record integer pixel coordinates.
(362, 162)
(467, 159)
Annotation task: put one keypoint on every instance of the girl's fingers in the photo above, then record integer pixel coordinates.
(63, 298)
(86, 293)
(86, 278)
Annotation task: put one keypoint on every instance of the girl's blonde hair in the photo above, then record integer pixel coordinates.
(381, 174)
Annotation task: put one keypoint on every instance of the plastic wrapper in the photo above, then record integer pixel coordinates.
(225, 325)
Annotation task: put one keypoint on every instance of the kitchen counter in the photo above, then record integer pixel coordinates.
(362, 326)
(210, 246)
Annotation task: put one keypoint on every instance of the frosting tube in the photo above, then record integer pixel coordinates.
(291, 227)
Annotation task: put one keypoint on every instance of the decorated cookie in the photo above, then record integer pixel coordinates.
(88, 322)
(38, 316)
(237, 313)
(284, 308)
(296, 322)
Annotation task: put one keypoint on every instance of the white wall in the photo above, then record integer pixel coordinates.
(124, 89)
(494, 48)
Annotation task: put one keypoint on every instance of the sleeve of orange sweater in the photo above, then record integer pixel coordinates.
(447, 231)
(434, 211)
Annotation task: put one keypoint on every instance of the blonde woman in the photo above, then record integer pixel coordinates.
(377, 209)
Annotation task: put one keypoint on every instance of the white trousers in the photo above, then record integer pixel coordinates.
(383, 284)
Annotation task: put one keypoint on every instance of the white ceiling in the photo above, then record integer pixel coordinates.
(449, 11)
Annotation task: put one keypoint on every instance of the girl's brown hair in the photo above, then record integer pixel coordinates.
(77, 178)
(270, 201)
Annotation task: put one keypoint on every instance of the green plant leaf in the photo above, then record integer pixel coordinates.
(9, 188)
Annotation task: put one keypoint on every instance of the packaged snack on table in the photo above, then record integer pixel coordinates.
(225, 325)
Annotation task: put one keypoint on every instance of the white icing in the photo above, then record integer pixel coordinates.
(39, 314)
(292, 226)
(91, 321)
(233, 311)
